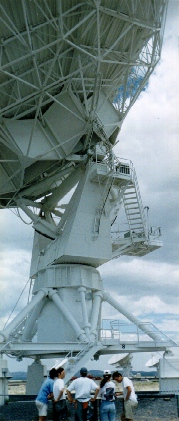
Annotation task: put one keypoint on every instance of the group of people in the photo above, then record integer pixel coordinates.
(54, 388)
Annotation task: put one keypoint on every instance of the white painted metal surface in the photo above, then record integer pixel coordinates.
(70, 72)
(3, 380)
(169, 375)
(153, 362)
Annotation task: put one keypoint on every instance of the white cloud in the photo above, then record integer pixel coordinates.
(139, 277)
(14, 280)
(15, 235)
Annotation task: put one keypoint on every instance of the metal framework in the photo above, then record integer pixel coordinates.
(69, 73)
(85, 47)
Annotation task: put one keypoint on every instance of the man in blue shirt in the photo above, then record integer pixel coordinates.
(45, 393)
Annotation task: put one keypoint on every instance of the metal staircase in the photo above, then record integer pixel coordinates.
(118, 174)
(138, 240)
(74, 364)
(134, 209)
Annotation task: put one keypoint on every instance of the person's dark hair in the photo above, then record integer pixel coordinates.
(59, 370)
(116, 374)
(83, 374)
(106, 377)
(53, 373)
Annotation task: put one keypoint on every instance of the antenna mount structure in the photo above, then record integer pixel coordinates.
(70, 72)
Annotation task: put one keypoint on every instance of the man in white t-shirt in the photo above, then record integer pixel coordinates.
(82, 387)
(130, 398)
(59, 405)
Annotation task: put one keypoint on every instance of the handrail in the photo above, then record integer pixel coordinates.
(118, 330)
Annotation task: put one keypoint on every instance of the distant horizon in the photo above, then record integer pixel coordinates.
(21, 375)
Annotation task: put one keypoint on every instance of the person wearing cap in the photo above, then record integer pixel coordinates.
(130, 398)
(107, 394)
(83, 387)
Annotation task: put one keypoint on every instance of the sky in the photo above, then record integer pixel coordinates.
(146, 286)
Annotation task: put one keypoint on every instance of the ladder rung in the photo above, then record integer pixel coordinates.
(133, 207)
(137, 223)
(132, 219)
(131, 203)
(131, 187)
(128, 200)
(129, 196)
(134, 213)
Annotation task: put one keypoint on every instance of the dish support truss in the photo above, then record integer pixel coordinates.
(63, 319)
(67, 60)
(48, 45)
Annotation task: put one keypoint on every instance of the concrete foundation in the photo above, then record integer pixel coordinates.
(169, 375)
(3, 381)
(36, 374)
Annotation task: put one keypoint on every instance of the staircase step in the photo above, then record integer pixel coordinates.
(133, 207)
(137, 223)
(134, 213)
(130, 212)
(130, 199)
(131, 203)
(80, 359)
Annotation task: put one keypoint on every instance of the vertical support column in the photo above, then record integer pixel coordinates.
(86, 325)
(3, 381)
(95, 311)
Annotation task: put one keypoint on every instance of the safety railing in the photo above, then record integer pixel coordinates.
(130, 333)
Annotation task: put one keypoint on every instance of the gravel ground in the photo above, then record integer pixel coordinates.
(151, 418)
(149, 409)
(155, 409)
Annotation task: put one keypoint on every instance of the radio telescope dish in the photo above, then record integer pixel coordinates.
(61, 62)
(123, 361)
(119, 360)
(60, 363)
(153, 362)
